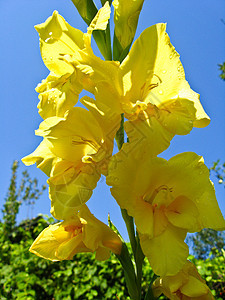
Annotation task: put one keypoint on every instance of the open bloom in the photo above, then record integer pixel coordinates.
(167, 199)
(74, 153)
(185, 285)
(79, 233)
(154, 94)
(67, 53)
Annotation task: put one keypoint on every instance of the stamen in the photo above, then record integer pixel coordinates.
(150, 198)
(75, 230)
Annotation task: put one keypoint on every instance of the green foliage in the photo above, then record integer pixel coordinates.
(218, 170)
(26, 276)
(206, 242)
(212, 271)
(222, 69)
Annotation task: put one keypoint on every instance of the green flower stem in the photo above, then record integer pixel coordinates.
(139, 258)
(120, 134)
(129, 221)
(129, 272)
(149, 295)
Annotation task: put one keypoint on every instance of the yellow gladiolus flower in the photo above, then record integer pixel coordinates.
(156, 98)
(79, 233)
(185, 285)
(57, 94)
(126, 15)
(167, 199)
(74, 153)
(67, 53)
(154, 84)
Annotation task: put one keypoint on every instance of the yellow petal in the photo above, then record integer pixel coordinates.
(169, 285)
(167, 253)
(72, 137)
(102, 254)
(201, 118)
(177, 116)
(143, 215)
(69, 248)
(160, 222)
(105, 114)
(126, 15)
(148, 134)
(183, 213)
(127, 170)
(97, 235)
(101, 19)
(190, 176)
(60, 241)
(194, 288)
(43, 157)
(157, 77)
(46, 244)
(68, 192)
(186, 284)
(58, 38)
(57, 95)
(137, 68)
(106, 100)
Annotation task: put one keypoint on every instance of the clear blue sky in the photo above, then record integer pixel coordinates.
(196, 31)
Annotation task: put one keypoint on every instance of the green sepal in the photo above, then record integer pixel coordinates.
(86, 9)
(118, 52)
(139, 258)
(101, 41)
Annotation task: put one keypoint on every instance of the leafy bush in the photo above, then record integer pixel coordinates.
(25, 276)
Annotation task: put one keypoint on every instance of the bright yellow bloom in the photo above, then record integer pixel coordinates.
(74, 153)
(186, 285)
(154, 84)
(167, 199)
(156, 98)
(57, 94)
(67, 53)
(79, 233)
(126, 14)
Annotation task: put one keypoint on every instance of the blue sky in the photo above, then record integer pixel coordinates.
(196, 31)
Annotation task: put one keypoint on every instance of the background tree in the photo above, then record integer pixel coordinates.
(222, 69)
(26, 191)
